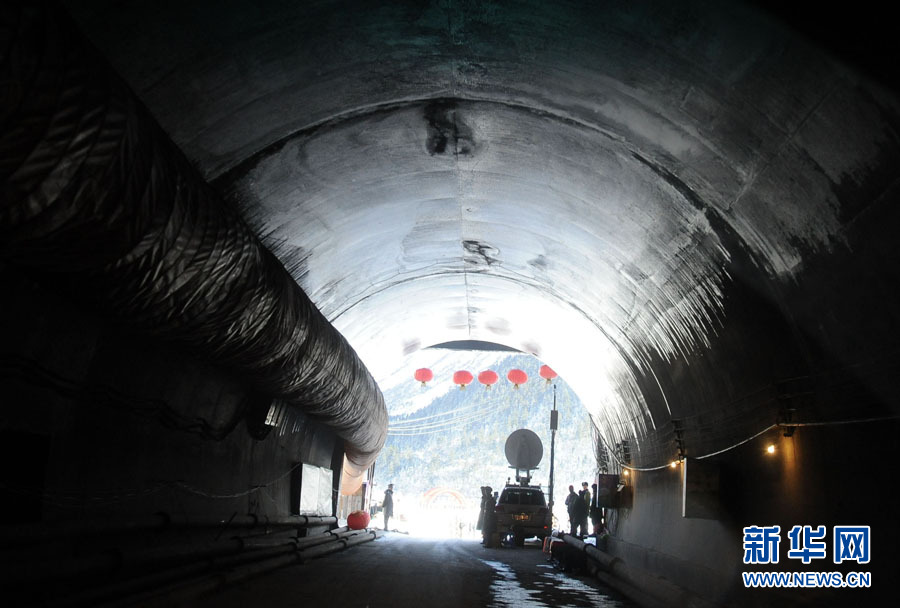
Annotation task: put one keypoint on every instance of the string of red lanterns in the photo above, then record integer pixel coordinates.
(488, 378)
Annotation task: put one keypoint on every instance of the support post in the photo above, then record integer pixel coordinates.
(554, 423)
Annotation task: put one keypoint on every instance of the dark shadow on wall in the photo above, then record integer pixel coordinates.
(862, 35)
(23, 462)
(818, 348)
(127, 427)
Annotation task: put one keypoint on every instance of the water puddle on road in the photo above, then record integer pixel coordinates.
(549, 588)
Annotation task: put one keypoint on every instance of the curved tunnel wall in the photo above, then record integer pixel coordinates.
(605, 168)
(653, 191)
(687, 210)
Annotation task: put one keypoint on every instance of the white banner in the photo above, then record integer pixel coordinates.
(315, 490)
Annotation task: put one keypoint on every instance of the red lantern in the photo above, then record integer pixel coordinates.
(424, 375)
(547, 373)
(517, 377)
(358, 520)
(462, 378)
(488, 378)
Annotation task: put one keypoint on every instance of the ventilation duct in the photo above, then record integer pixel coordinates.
(98, 199)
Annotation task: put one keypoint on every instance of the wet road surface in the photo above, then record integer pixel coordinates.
(396, 570)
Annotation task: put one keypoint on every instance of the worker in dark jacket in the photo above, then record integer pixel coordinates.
(486, 522)
(595, 513)
(487, 505)
(387, 504)
(585, 499)
(572, 509)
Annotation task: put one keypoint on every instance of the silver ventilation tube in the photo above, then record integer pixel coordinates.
(96, 197)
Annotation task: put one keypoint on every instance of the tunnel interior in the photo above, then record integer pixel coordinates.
(223, 225)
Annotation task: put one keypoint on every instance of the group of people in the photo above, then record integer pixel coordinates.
(486, 513)
(582, 505)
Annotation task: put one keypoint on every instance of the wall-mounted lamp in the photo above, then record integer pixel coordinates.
(622, 480)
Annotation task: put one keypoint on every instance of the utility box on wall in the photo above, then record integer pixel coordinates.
(311, 490)
(607, 486)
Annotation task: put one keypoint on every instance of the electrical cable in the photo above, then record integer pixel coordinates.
(440, 425)
(731, 447)
(447, 413)
(743, 441)
(458, 421)
(433, 430)
(835, 422)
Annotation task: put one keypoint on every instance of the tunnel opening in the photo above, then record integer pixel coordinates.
(444, 437)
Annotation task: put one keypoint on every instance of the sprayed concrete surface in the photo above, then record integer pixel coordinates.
(688, 210)
(396, 570)
(610, 187)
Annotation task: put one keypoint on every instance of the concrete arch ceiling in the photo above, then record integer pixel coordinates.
(571, 180)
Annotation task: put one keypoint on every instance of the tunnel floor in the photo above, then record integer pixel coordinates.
(396, 570)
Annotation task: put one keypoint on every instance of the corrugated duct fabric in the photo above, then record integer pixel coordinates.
(94, 192)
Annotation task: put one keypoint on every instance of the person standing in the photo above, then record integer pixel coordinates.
(596, 513)
(487, 506)
(387, 505)
(488, 523)
(572, 509)
(584, 508)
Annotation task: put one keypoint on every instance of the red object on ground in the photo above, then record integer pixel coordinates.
(462, 378)
(424, 375)
(358, 520)
(488, 377)
(547, 373)
(517, 377)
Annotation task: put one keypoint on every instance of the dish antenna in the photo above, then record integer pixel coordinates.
(523, 451)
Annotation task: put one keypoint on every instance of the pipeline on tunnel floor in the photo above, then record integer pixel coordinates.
(157, 560)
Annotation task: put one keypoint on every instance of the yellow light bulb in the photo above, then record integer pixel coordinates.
(672, 464)
(770, 449)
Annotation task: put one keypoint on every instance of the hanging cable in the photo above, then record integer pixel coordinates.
(750, 438)
(432, 416)
(437, 427)
(739, 443)
(836, 422)
(400, 429)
